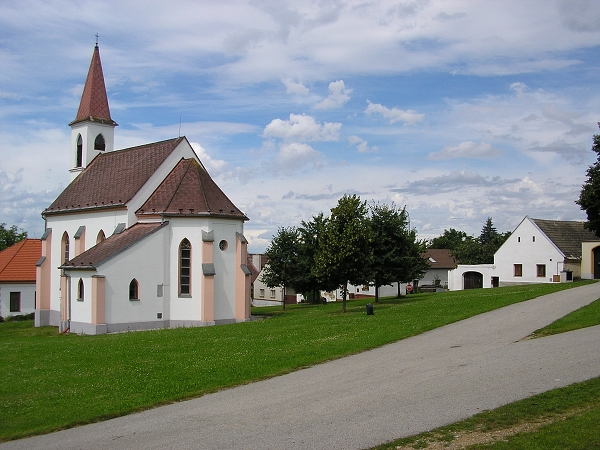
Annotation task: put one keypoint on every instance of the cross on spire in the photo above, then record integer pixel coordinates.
(96, 39)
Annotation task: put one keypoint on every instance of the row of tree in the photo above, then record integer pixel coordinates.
(357, 244)
(468, 249)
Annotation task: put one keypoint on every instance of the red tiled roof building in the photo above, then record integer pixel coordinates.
(17, 277)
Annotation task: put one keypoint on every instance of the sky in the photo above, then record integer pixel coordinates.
(456, 110)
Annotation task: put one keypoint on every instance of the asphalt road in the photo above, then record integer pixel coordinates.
(357, 402)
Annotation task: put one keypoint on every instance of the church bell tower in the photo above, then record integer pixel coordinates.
(93, 130)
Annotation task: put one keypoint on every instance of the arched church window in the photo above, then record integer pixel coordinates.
(101, 236)
(79, 157)
(134, 290)
(99, 143)
(185, 267)
(80, 290)
(64, 246)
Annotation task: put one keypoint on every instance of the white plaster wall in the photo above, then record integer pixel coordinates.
(429, 277)
(145, 262)
(520, 248)
(89, 131)
(225, 266)
(266, 299)
(27, 291)
(81, 311)
(183, 307)
(389, 290)
(105, 220)
(455, 276)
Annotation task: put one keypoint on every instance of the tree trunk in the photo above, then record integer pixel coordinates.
(344, 294)
(376, 293)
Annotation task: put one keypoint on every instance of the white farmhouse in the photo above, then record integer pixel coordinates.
(141, 238)
(537, 251)
(546, 251)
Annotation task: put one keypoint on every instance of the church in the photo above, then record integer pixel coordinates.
(141, 238)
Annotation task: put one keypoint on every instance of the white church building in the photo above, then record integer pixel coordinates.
(141, 238)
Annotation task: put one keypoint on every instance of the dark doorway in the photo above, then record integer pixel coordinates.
(473, 280)
(495, 281)
(597, 263)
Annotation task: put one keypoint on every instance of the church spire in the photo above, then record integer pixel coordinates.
(93, 130)
(94, 101)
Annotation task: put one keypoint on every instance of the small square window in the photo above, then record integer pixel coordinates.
(262, 293)
(272, 293)
(518, 270)
(541, 270)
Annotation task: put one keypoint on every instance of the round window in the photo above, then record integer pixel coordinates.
(223, 245)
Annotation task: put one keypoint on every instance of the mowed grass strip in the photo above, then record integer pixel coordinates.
(586, 316)
(566, 418)
(50, 382)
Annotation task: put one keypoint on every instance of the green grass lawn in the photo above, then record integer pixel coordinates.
(50, 381)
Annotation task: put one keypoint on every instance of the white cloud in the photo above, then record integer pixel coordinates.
(214, 166)
(302, 128)
(295, 88)
(295, 156)
(467, 149)
(394, 114)
(338, 95)
(361, 145)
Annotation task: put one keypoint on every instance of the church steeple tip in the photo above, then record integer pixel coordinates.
(93, 106)
(93, 130)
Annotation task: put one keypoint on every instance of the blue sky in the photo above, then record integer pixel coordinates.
(458, 110)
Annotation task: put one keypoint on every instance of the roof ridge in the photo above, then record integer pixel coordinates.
(180, 180)
(203, 189)
(137, 147)
(16, 251)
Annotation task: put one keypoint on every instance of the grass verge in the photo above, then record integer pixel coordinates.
(587, 316)
(567, 418)
(50, 382)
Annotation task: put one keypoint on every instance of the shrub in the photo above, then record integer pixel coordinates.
(20, 317)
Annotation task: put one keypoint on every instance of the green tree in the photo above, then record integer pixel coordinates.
(309, 244)
(488, 232)
(469, 251)
(589, 198)
(396, 255)
(450, 240)
(283, 260)
(480, 250)
(345, 246)
(10, 236)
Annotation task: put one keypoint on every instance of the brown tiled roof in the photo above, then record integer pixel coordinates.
(442, 257)
(112, 178)
(94, 102)
(17, 262)
(115, 244)
(189, 190)
(567, 235)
